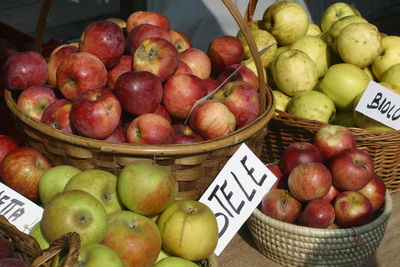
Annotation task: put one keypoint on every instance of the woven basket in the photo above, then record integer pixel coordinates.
(284, 129)
(28, 250)
(382, 146)
(293, 245)
(195, 165)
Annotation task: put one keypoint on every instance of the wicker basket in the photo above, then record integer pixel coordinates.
(194, 165)
(382, 146)
(293, 245)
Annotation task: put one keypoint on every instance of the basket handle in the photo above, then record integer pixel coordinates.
(251, 7)
(41, 26)
(253, 49)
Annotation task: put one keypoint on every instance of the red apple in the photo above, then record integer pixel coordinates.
(331, 195)
(142, 32)
(139, 92)
(223, 51)
(7, 144)
(281, 179)
(242, 100)
(351, 169)
(147, 17)
(211, 84)
(281, 205)
(318, 213)
(212, 119)
(105, 40)
(352, 209)
(35, 99)
(56, 115)
(21, 170)
(331, 139)
(124, 65)
(79, 72)
(245, 74)
(149, 128)
(198, 61)
(180, 93)
(375, 191)
(24, 69)
(309, 181)
(297, 153)
(160, 110)
(183, 68)
(118, 135)
(157, 56)
(95, 113)
(180, 40)
(55, 50)
(183, 134)
(55, 60)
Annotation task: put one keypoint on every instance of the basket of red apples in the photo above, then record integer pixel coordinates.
(142, 92)
(328, 206)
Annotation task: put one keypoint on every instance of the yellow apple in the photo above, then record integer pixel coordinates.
(293, 71)
(392, 75)
(389, 56)
(313, 29)
(368, 71)
(359, 44)
(317, 50)
(281, 100)
(335, 12)
(342, 83)
(286, 20)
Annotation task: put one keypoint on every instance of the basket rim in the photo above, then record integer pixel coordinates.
(238, 136)
(327, 233)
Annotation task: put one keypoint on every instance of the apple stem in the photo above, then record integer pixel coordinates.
(82, 219)
(107, 196)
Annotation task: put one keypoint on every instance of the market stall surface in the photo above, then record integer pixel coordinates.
(242, 252)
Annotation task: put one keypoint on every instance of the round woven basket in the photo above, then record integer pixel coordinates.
(293, 245)
(195, 165)
(382, 146)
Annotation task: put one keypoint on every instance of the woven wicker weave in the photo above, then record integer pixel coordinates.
(293, 245)
(382, 146)
(194, 165)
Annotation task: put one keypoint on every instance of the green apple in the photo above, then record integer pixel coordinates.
(364, 122)
(99, 183)
(96, 255)
(37, 233)
(313, 29)
(54, 180)
(317, 50)
(287, 21)
(173, 261)
(74, 211)
(359, 44)
(342, 83)
(134, 237)
(294, 72)
(146, 187)
(344, 118)
(262, 38)
(389, 56)
(255, 24)
(392, 75)
(368, 71)
(281, 100)
(336, 28)
(390, 86)
(312, 105)
(163, 254)
(335, 12)
(188, 230)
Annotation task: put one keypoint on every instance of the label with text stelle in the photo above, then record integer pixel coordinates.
(19, 210)
(236, 192)
(381, 104)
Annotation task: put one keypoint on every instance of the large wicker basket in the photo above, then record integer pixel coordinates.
(382, 146)
(194, 165)
(293, 245)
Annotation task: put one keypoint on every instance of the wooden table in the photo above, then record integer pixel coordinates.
(242, 252)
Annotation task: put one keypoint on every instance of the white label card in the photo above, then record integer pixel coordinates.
(380, 104)
(19, 210)
(236, 192)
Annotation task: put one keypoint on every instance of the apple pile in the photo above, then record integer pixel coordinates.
(319, 72)
(326, 183)
(136, 81)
